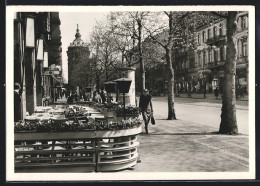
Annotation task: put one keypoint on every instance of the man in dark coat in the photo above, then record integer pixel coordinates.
(17, 102)
(103, 97)
(146, 107)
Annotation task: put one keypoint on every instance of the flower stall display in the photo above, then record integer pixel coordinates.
(74, 134)
(74, 126)
(129, 110)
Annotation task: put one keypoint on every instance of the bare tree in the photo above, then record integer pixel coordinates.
(130, 26)
(162, 31)
(105, 49)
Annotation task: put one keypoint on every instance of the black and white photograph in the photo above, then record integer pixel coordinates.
(130, 93)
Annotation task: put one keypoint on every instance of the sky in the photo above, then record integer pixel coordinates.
(69, 21)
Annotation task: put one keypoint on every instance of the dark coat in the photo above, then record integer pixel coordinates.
(17, 106)
(144, 102)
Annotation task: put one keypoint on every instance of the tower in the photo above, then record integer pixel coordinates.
(78, 54)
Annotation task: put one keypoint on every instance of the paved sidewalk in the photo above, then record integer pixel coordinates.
(178, 146)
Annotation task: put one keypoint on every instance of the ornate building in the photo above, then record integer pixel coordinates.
(78, 51)
(206, 69)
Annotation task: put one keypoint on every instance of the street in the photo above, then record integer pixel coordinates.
(202, 112)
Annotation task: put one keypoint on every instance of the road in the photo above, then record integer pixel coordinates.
(201, 112)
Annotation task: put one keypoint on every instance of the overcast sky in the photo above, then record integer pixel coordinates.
(69, 21)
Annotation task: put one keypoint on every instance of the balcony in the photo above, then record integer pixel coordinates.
(216, 40)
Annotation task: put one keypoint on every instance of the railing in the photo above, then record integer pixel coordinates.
(83, 151)
(215, 39)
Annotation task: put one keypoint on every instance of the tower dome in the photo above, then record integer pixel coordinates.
(78, 41)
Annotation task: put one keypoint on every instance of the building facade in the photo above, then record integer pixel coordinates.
(33, 45)
(204, 70)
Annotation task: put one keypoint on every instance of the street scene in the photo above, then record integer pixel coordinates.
(131, 92)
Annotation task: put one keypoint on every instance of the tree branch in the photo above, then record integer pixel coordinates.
(166, 13)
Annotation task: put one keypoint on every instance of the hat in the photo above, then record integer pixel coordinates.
(145, 90)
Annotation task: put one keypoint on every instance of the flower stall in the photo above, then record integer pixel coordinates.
(76, 137)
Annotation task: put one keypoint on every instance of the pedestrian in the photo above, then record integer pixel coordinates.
(97, 97)
(70, 99)
(146, 107)
(216, 92)
(103, 97)
(17, 102)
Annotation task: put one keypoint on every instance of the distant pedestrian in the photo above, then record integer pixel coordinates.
(146, 107)
(103, 96)
(216, 92)
(70, 99)
(97, 97)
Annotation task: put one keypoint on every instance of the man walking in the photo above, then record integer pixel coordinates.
(146, 107)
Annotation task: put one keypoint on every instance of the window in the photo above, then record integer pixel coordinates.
(209, 33)
(244, 48)
(214, 31)
(199, 59)
(209, 56)
(221, 53)
(220, 29)
(215, 55)
(204, 58)
(203, 36)
(198, 39)
(243, 23)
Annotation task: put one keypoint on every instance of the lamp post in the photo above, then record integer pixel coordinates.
(123, 85)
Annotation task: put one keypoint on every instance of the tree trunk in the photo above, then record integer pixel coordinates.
(228, 123)
(170, 78)
(142, 71)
